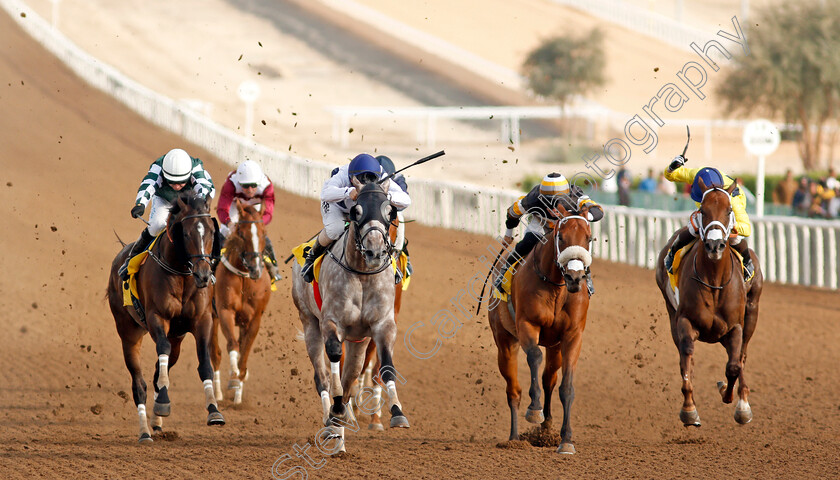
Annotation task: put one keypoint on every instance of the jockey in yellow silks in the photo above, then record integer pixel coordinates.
(676, 172)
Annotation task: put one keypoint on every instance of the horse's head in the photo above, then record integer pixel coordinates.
(572, 237)
(193, 232)
(371, 217)
(716, 218)
(248, 238)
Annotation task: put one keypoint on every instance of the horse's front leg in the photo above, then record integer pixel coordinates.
(733, 342)
(684, 336)
(571, 352)
(384, 338)
(529, 336)
(246, 340)
(175, 353)
(227, 323)
(202, 333)
(332, 346)
(159, 330)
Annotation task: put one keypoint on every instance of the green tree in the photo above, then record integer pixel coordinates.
(564, 66)
(792, 71)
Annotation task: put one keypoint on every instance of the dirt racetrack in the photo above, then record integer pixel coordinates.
(71, 163)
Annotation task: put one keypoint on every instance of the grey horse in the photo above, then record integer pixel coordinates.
(357, 287)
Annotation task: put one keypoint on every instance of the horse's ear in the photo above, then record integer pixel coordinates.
(386, 185)
(702, 184)
(732, 187)
(559, 210)
(207, 201)
(238, 204)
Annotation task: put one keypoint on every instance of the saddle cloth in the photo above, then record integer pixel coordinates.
(506, 280)
(130, 296)
(673, 278)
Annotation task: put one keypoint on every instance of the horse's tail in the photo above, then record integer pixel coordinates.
(118, 238)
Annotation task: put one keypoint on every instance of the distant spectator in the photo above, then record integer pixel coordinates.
(816, 208)
(833, 207)
(802, 197)
(609, 185)
(624, 181)
(783, 193)
(648, 184)
(831, 181)
(665, 187)
(747, 193)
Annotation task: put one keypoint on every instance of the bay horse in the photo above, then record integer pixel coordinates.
(396, 233)
(175, 288)
(357, 287)
(715, 303)
(243, 289)
(547, 307)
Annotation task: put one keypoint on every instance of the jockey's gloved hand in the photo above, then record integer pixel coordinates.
(676, 163)
(137, 211)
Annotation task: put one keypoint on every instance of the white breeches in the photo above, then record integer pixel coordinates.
(158, 215)
(334, 220)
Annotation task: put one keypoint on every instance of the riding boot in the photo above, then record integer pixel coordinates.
(519, 252)
(744, 250)
(682, 240)
(589, 285)
(308, 272)
(140, 245)
(271, 263)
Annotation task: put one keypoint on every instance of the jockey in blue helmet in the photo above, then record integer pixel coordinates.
(338, 196)
(676, 172)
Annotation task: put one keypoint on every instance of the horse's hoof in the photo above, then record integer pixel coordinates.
(162, 409)
(399, 421)
(145, 438)
(566, 449)
(690, 418)
(721, 386)
(215, 418)
(157, 428)
(535, 416)
(376, 427)
(743, 412)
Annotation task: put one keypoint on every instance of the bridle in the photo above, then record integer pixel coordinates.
(189, 264)
(727, 229)
(359, 238)
(245, 255)
(560, 266)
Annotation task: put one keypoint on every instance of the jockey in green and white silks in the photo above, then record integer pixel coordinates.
(168, 176)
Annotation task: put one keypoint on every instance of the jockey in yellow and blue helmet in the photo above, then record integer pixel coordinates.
(676, 172)
(539, 203)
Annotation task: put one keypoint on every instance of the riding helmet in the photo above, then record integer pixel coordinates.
(387, 164)
(363, 164)
(177, 166)
(711, 177)
(249, 171)
(554, 184)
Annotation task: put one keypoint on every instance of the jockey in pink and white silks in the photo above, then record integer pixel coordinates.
(338, 196)
(168, 176)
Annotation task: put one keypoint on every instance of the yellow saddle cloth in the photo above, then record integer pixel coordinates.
(301, 250)
(130, 286)
(506, 280)
(678, 256)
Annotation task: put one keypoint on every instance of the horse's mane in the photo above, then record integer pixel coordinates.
(194, 202)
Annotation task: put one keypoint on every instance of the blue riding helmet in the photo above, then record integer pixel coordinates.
(363, 164)
(710, 176)
(387, 164)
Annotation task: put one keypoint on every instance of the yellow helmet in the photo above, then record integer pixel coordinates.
(554, 185)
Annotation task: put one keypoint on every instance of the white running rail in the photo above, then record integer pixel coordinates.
(796, 251)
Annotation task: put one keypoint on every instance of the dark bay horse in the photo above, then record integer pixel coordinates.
(547, 307)
(357, 287)
(714, 303)
(243, 289)
(175, 289)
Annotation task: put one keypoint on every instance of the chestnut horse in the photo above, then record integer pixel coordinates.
(715, 304)
(175, 289)
(547, 307)
(242, 293)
